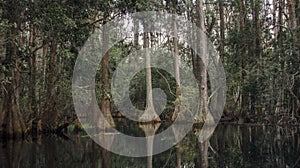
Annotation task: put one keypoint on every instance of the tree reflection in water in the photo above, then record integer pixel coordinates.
(233, 145)
(150, 130)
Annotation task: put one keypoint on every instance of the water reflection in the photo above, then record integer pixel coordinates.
(230, 146)
(203, 149)
(150, 130)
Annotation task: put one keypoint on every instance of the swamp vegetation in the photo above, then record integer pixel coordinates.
(257, 41)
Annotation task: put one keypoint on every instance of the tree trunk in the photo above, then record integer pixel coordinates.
(136, 41)
(150, 114)
(13, 125)
(257, 44)
(280, 98)
(105, 85)
(201, 39)
(242, 25)
(293, 25)
(298, 13)
(36, 123)
(176, 66)
(50, 114)
(32, 74)
(222, 28)
(292, 14)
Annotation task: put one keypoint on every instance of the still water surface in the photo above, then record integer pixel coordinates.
(230, 146)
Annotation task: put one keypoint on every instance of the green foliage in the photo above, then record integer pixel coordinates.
(261, 79)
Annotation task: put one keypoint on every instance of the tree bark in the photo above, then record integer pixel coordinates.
(292, 14)
(280, 98)
(176, 65)
(105, 85)
(150, 114)
(257, 44)
(136, 41)
(201, 39)
(50, 114)
(36, 123)
(298, 12)
(222, 28)
(242, 25)
(13, 124)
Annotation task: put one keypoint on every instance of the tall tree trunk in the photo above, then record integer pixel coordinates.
(298, 12)
(150, 114)
(257, 44)
(222, 28)
(136, 40)
(105, 85)
(176, 64)
(292, 14)
(33, 105)
(279, 103)
(242, 25)
(50, 114)
(13, 125)
(201, 39)
(293, 25)
(43, 69)
(32, 73)
(2, 74)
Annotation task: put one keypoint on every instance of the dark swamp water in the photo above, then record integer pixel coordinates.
(231, 146)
